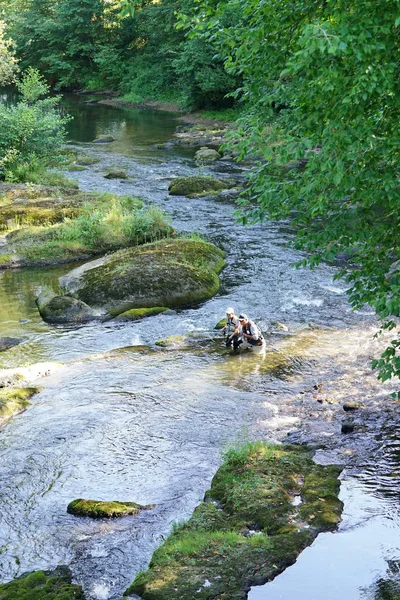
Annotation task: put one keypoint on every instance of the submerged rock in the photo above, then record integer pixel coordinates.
(206, 155)
(8, 342)
(173, 273)
(62, 309)
(173, 341)
(198, 185)
(42, 585)
(98, 509)
(104, 139)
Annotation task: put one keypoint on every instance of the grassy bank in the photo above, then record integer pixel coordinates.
(249, 529)
(49, 225)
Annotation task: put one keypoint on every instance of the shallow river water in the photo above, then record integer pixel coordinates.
(119, 418)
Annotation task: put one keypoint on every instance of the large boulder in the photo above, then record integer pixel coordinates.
(62, 309)
(198, 186)
(173, 273)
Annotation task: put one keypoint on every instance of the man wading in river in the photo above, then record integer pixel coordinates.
(231, 329)
(250, 333)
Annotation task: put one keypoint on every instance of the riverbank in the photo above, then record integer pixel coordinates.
(265, 505)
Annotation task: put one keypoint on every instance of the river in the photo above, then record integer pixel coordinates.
(120, 418)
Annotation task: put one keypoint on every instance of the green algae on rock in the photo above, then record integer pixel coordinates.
(172, 341)
(14, 401)
(171, 272)
(220, 324)
(42, 585)
(115, 174)
(206, 155)
(97, 509)
(198, 185)
(249, 529)
(140, 313)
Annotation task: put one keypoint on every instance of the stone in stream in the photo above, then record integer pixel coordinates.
(62, 309)
(195, 186)
(347, 427)
(206, 155)
(8, 342)
(171, 272)
(104, 139)
(115, 174)
(97, 509)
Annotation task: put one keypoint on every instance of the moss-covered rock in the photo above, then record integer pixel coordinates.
(174, 273)
(173, 341)
(62, 309)
(220, 324)
(140, 313)
(14, 401)
(198, 185)
(250, 531)
(86, 161)
(77, 168)
(206, 155)
(116, 174)
(42, 585)
(97, 509)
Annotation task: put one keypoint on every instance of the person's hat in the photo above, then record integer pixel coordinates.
(242, 317)
(230, 311)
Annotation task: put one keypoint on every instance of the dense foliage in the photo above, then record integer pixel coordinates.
(31, 131)
(322, 83)
(8, 63)
(86, 43)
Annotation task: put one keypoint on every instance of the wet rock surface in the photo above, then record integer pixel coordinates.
(8, 342)
(167, 273)
(99, 509)
(63, 309)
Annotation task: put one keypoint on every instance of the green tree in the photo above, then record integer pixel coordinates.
(31, 131)
(322, 83)
(8, 63)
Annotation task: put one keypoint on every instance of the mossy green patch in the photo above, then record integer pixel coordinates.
(42, 585)
(171, 272)
(172, 341)
(140, 313)
(249, 529)
(220, 324)
(198, 185)
(15, 400)
(97, 509)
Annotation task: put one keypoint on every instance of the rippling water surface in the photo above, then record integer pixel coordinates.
(122, 419)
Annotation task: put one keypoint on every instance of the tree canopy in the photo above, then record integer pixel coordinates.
(321, 83)
(8, 62)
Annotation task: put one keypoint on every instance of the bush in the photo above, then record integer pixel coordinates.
(32, 131)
